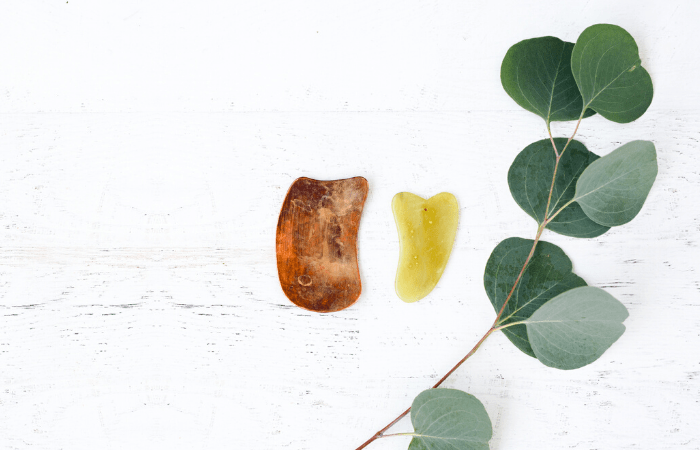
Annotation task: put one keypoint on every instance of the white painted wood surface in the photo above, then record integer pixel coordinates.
(146, 147)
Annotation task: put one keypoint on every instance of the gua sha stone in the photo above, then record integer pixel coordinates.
(427, 230)
(317, 243)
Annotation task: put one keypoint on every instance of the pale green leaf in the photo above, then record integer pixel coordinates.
(536, 73)
(449, 419)
(547, 274)
(530, 179)
(607, 69)
(612, 190)
(574, 328)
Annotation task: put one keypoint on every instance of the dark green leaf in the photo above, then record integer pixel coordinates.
(536, 73)
(576, 327)
(547, 274)
(530, 178)
(448, 419)
(606, 65)
(612, 190)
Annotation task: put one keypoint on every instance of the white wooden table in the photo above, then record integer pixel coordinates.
(146, 148)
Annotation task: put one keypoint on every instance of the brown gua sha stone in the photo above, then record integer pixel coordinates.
(317, 243)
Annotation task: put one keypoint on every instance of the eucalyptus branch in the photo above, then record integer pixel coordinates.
(551, 78)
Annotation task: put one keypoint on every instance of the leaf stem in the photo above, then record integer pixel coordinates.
(551, 187)
(540, 229)
(500, 327)
(551, 139)
(572, 136)
(380, 433)
(558, 211)
(471, 352)
(400, 434)
(547, 217)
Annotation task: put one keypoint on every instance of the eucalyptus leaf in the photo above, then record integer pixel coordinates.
(574, 328)
(612, 189)
(547, 274)
(530, 179)
(449, 419)
(607, 69)
(536, 73)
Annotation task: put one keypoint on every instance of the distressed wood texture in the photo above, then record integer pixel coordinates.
(317, 243)
(146, 149)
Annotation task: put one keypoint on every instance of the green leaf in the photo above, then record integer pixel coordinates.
(536, 73)
(448, 419)
(530, 178)
(547, 274)
(576, 327)
(612, 190)
(606, 65)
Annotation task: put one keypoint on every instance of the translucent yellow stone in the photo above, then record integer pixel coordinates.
(427, 230)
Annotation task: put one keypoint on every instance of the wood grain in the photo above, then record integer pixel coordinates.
(146, 148)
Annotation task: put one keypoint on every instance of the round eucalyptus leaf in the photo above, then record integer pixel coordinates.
(607, 69)
(612, 189)
(547, 274)
(449, 419)
(530, 179)
(536, 73)
(575, 328)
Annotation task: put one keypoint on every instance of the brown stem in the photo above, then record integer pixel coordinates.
(540, 229)
(380, 433)
(471, 352)
(554, 176)
(558, 155)
(551, 139)
(572, 136)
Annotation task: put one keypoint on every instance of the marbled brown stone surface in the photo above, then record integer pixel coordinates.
(317, 243)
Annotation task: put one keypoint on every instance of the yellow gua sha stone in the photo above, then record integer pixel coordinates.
(427, 230)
